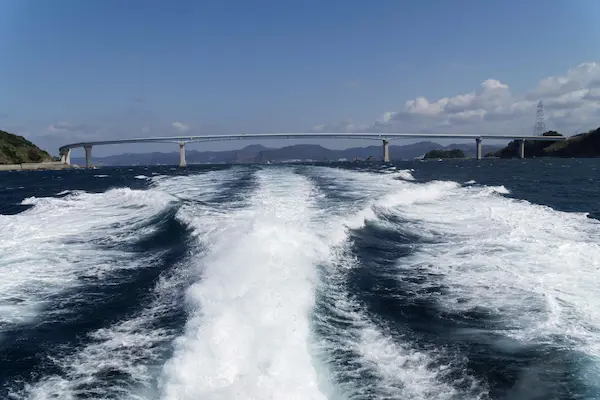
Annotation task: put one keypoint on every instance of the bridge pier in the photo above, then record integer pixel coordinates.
(88, 155)
(65, 157)
(521, 149)
(386, 151)
(182, 162)
(478, 143)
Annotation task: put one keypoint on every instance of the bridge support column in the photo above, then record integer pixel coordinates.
(521, 149)
(478, 143)
(182, 162)
(65, 158)
(386, 151)
(88, 155)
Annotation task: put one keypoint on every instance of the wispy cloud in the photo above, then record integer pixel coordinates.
(180, 126)
(61, 127)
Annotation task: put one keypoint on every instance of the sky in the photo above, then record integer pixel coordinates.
(73, 70)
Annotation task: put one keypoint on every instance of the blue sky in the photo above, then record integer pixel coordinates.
(76, 69)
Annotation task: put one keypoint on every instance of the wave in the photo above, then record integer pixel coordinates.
(514, 279)
(249, 315)
(314, 282)
(125, 347)
(51, 246)
(367, 360)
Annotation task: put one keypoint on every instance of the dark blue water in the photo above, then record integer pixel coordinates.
(97, 265)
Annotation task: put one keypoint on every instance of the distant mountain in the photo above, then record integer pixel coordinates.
(319, 153)
(16, 150)
(260, 154)
(245, 155)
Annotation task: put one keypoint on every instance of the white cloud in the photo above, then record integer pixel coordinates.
(583, 76)
(492, 101)
(69, 127)
(571, 103)
(593, 94)
(180, 126)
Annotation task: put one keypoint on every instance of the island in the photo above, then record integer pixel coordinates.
(437, 154)
(583, 145)
(18, 153)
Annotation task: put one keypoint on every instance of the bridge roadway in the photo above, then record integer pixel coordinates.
(385, 138)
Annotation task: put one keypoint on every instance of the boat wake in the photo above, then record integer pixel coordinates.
(297, 282)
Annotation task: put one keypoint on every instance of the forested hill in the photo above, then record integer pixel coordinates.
(16, 149)
(582, 145)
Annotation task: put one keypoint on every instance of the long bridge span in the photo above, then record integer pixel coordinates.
(385, 138)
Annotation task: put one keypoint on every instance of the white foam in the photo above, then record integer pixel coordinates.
(101, 176)
(241, 329)
(370, 191)
(197, 186)
(494, 189)
(130, 348)
(533, 266)
(141, 177)
(506, 255)
(49, 247)
(405, 174)
(248, 332)
(133, 347)
(530, 265)
(398, 370)
(360, 186)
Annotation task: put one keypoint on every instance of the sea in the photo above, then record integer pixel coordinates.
(459, 279)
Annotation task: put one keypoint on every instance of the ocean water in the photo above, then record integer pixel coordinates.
(418, 280)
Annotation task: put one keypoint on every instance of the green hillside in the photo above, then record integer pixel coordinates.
(582, 145)
(16, 150)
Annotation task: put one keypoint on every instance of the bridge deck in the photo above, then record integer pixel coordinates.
(357, 136)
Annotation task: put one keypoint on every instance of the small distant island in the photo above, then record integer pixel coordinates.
(583, 145)
(437, 154)
(17, 153)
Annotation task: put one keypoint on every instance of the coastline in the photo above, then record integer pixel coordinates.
(51, 165)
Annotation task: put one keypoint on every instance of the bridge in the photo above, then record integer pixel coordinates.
(385, 138)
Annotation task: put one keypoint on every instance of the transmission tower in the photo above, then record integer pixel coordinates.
(540, 125)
